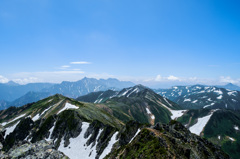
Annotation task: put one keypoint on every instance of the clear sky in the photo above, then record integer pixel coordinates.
(153, 42)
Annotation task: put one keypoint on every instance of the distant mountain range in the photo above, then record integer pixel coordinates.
(11, 91)
(13, 94)
(87, 85)
(230, 86)
(199, 96)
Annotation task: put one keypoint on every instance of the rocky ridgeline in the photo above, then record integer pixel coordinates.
(171, 140)
(26, 150)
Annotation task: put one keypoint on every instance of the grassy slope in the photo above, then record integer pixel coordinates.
(222, 124)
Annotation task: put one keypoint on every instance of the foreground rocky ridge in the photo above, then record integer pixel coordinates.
(171, 140)
(41, 149)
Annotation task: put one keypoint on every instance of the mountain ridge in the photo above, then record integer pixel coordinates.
(199, 96)
(70, 89)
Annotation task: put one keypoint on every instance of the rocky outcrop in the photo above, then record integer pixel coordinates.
(128, 132)
(21, 131)
(171, 140)
(41, 149)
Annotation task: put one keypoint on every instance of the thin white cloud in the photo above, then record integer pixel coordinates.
(80, 62)
(159, 78)
(229, 80)
(65, 72)
(173, 78)
(65, 66)
(51, 76)
(27, 80)
(3, 79)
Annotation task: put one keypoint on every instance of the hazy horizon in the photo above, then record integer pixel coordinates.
(150, 85)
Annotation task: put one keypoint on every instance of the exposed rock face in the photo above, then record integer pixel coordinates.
(19, 134)
(65, 127)
(171, 140)
(128, 132)
(41, 149)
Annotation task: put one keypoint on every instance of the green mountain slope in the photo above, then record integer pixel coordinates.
(97, 97)
(221, 127)
(136, 103)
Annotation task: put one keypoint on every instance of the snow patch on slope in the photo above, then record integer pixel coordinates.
(10, 129)
(108, 149)
(195, 101)
(218, 92)
(209, 105)
(150, 113)
(124, 93)
(232, 93)
(20, 116)
(177, 113)
(51, 130)
(220, 97)
(135, 90)
(46, 110)
(198, 127)
(68, 106)
(231, 138)
(138, 131)
(77, 147)
(36, 117)
(187, 100)
(167, 101)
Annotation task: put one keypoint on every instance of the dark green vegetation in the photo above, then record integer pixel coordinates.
(97, 97)
(222, 128)
(132, 103)
(167, 141)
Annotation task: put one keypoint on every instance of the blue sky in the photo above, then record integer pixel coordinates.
(156, 43)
